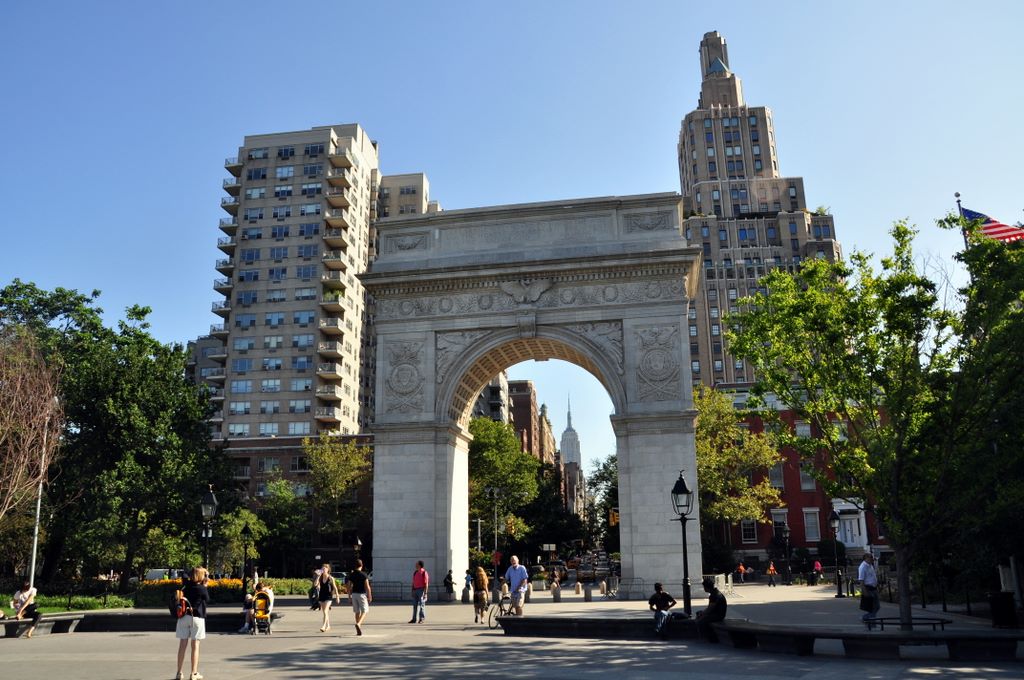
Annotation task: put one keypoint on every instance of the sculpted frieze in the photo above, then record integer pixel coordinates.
(449, 346)
(557, 295)
(398, 243)
(605, 334)
(649, 221)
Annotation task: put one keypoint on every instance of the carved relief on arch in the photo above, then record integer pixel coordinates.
(448, 347)
(403, 387)
(605, 334)
(657, 372)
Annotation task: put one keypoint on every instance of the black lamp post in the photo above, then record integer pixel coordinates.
(833, 521)
(682, 503)
(789, 570)
(208, 507)
(246, 537)
(357, 546)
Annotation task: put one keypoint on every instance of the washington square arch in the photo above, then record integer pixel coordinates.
(603, 283)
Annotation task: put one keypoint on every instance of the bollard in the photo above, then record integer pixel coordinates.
(588, 593)
(504, 589)
(465, 595)
(529, 591)
(556, 594)
(604, 588)
(578, 589)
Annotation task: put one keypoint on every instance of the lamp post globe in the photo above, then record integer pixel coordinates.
(682, 505)
(833, 522)
(208, 508)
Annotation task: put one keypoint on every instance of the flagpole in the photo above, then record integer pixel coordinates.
(960, 210)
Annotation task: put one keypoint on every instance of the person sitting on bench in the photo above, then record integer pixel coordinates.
(660, 603)
(715, 612)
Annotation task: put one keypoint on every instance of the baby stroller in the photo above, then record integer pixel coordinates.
(261, 614)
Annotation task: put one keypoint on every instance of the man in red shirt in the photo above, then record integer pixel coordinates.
(420, 584)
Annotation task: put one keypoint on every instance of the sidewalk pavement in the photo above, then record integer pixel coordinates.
(450, 645)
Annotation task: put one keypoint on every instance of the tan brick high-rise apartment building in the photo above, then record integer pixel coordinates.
(745, 215)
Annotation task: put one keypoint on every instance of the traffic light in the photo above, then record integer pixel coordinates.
(613, 517)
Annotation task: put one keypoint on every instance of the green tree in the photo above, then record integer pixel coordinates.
(728, 458)
(136, 452)
(231, 550)
(547, 516)
(496, 461)
(865, 358)
(286, 517)
(603, 496)
(336, 469)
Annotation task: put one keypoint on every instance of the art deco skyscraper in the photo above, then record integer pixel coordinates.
(740, 210)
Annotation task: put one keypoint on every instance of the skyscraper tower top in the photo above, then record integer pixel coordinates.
(719, 86)
(570, 446)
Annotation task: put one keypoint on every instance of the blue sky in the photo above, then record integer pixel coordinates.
(118, 116)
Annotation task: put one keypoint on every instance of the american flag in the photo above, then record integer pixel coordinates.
(993, 228)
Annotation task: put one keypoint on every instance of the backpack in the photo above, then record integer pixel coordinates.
(179, 605)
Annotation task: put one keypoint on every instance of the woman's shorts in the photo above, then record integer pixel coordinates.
(190, 628)
(360, 603)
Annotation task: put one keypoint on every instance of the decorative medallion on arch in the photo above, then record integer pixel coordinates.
(404, 384)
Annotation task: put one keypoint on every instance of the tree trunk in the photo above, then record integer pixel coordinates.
(131, 548)
(53, 549)
(903, 583)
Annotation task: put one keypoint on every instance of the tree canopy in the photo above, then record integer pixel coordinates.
(497, 461)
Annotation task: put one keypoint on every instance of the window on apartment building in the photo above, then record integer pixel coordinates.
(299, 463)
(259, 153)
(243, 344)
(283, 191)
(270, 407)
(707, 123)
(253, 214)
(314, 149)
(780, 520)
(313, 169)
(807, 481)
(238, 429)
(312, 189)
(718, 366)
(303, 317)
(803, 429)
(250, 255)
(239, 408)
(301, 384)
(256, 192)
(307, 251)
(812, 530)
(305, 293)
(273, 319)
(285, 152)
(298, 428)
(309, 229)
(748, 531)
(695, 366)
(277, 273)
(255, 174)
(252, 233)
(273, 341)
(245, 320)
(775, 476)
(738, 364)
(249, 275)
(692, 313)
(305, 272)
(278, 252)
(716, 330)
(406, 210)
(712, 167)
(407, 190)
(241, 365)
(309, 209)
(299, 405)
(276, 295)
(248, 297)
(241, 386)
(733, 293)
(712, 294)
(714, 312)
(693, 331)
(302, 363)
(268, 429)
(285, 172)
(282, 211)
(303, 340)
(270, 385)
(273, 364)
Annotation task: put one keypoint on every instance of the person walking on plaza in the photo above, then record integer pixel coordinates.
(480, 596)
(360, 593)
(660, 603)
(869, 600)
(327, 591)
(449, 585)
(772, 573)
(420, 587)
(715, 612)
(518, 578)
(24, 606)
(191, 627)
(741, 571)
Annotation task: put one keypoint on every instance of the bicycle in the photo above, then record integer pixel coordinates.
(503, 607)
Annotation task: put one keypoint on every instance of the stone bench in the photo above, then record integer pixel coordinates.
(605, 628)
(961, 644)
(48, 623)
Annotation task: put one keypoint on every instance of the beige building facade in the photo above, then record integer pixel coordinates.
(743, 214)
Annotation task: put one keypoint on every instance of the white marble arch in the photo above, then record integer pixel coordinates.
(459, 296)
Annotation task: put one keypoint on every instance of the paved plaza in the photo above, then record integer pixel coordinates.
(449, 645)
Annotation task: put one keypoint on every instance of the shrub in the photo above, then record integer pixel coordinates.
(50, 604)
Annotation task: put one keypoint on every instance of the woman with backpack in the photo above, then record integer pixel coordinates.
(327, 590)
(192, 623)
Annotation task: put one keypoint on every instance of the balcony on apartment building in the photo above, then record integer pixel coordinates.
(215, 393)
(230, 204)
(232, 185)
(335, 259)
(219, 330)
(333, 303)
(332, 326)
(216, 375)
(338, 217)
(218, 354)
(217, 416)
(331, 414)
(337, 238)
(329, 392)
(224, 285)
(329, 371)
(242, 472)
(225, 266)
(226, 244)
(338, 198)
(341, 158)
(339, 177)
(330, 349)
(333, 280)
(221, 307)
(229, 225)
(233, 165)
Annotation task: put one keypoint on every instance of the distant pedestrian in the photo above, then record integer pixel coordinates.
(449, 584)
(191, 628)
(869, 600)
(660, 603)
(360, 593)
(715, 612)
(469, 579)
(24, 606)
(480, 596)
(772, 573)
(518, 579)
(742, 571)
(420, 587)
(327, 591)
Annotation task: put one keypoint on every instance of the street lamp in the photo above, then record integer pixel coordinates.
(682, 503)
(246, 537)
(833, 521)
(494, 493)
(357, 546)
(43, 464)
(208, 507)
(789, 571)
